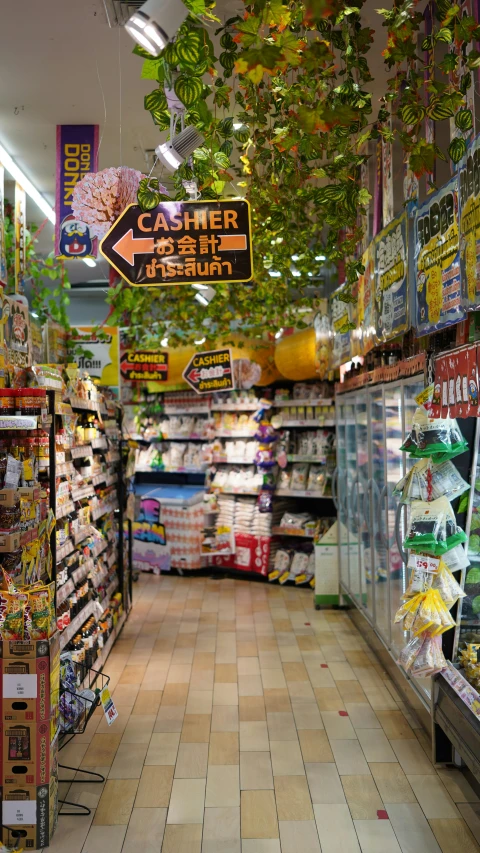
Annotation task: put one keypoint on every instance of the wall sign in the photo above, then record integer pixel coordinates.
(144, 366)
(391, 280)
(77, 154)
(341, 313)
(182, 242)
(210, 371)
(104, 364)
(469, 193)
(437, 261)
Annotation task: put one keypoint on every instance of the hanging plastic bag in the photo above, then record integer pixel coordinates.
(433, 529)
(449, 589)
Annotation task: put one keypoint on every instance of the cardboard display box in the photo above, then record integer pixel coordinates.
(30, 681)
(30, 813)
(25, 755)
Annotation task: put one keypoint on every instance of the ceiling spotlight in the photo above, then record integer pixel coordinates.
(89, 262)
(164, 342)
(206, 296)
(34, 314)
(155, 23)
(200, 286)
(279, 333)
(295, 257)
(274, 273)
(201, 341)
(320, 258)
(296, 273)
(174, 152)
(237, 125)
(310, 274)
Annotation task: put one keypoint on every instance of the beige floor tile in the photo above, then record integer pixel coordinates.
(223, 786)
(293, 798)
(179, 674)
(175, 694)
(281, 726)
(138, 729)
(272, 678)
(270, 659)
(337, 727)
(333, 653)
(320, 677)
(433, 797)
(196, 728)
(307, 715)
(375, 745)
(295, 672)
(277, 699)
(412, 758)
(199, 702)
(254, 736)
(376, 836)
(255, 771)
(315, 746)
(101, 750)
(116, 802)
(362, 716)
(298, 835)
(226, 673)
(335, 829)
(392, 783)
(224, 748)
(128, 762)
(308, 644)
(471, 815)
(222, 824)
(247, 649)
(192, 761)
(250, 685)
(132, 675)
(260, 845)
(145, 830)
(258, 815)
(286, 758)
(147, 702)
(412, 828)
(329, 699)
(225, 694)
(163, 748)
(362, 795)
(352, 691)
(182, 839)
(301, 691)
(71, 834)
(457, 785)
(169, 719)
(101, 838)
(342, 671)
(251, 708)
(154, 787)
(203, 660)
(248, 666)
(324, 783)
(290, 654)
(187, 801)
(225, 718)
(349, 758)
(395, 725)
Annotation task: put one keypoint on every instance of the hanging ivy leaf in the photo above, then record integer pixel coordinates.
(439, 109)
(444, 35)
(465, 83)
(413, 113)
(464, 120)
(242, 134)
(457, 149)
(227, 148)
(149, 195)
(221, 160)
(188, 89)
(156, 100)
(161, 118)
(190, 47)
(227, 42)
(225, 127)
(170, 54)
(227, 60)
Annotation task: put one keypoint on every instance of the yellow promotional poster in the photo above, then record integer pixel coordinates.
(103, 363)
(469, 193)
(323, 335)
(437, 261)
(363, 337)
(342, 315)
(391, 280)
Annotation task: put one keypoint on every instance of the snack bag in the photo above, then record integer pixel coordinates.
(12, 607)
(433, 529)
(299, 477)
(447, 586)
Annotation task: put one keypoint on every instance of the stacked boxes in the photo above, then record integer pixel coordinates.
(30, 679)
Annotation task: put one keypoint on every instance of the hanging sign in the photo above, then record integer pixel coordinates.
(103, 364)
(363, 337)
(182, 242)
(20, 256)
(456, 384)
(342, 323)
(437, 261)
(469, 192)
(210, 371)
(3, 256)
(77, 154)
(391, 280)
(144, 365)
(387, 178)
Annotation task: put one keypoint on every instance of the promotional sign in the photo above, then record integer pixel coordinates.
(341, 314)
(456, 384)
(108, 706)
(151, 553)
(77, 154)
(104, 362)
(363, 337)
(182, 242)
(437, 261)
(144, 365)
(210, 371)
(3, 257)
(391, 280)
(469, 193)
(387, 178)
(20, 219)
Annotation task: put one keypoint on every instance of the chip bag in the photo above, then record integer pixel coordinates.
(433, 529)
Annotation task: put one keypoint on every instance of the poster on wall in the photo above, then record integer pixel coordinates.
(438, 294)
(323, 339)
(103, 363)
(77, 154)
(391, 280)
(342, 323)
(456, 384)
(151, 551)
(363, 337)
(469, 195)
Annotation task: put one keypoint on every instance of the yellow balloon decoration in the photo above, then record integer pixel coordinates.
(295, 355)
(178, 359)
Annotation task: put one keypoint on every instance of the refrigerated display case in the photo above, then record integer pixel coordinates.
(371, 425)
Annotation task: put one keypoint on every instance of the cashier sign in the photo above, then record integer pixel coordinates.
(182, 242)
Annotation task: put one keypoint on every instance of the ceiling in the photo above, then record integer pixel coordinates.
(61, 63)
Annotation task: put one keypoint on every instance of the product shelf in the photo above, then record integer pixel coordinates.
(319, 423)
(194, 410)
(236, 407)
(315, 460)
(18, 422)
(79, 451)
(76, 623)
(65, 509)
(292, 531)
(85, 405)
(65, 550)
(220, 460)
(296, 493)
(235, 434)
(277, 404)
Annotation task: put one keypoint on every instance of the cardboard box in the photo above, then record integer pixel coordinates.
(30, 681)
(9, 497)
(37, 804)
(9, 541)
(26, 753)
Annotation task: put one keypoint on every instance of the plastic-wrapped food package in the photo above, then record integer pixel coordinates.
(433, 528)
(425, 612)
(299, 477)
(438, 438)
(317, 478)
(428, 481)
(448, 587)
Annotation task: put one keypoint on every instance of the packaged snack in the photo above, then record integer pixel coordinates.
(439, 438)
(433, 528)
(317, 479)
(12, 608)
(447, 586)
(299, 477)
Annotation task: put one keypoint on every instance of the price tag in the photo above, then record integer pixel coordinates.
(425, 563)
(109, 708)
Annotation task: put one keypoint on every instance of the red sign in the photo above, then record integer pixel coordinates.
(144, 366)
(455, 393)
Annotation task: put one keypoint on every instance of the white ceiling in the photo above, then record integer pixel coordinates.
(61, 63)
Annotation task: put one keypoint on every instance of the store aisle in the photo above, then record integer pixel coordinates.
(251, 723)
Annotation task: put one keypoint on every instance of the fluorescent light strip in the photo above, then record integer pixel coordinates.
(32, 191)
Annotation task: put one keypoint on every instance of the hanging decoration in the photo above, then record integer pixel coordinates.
(100, 197)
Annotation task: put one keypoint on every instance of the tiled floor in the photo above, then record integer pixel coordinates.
(251, 723)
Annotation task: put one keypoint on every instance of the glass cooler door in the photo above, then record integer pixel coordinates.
(377, 582)
(393, 401)
(359, 588)
(352, 495)
(341, 489)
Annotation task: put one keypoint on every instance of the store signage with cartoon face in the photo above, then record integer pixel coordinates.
(75, 239)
